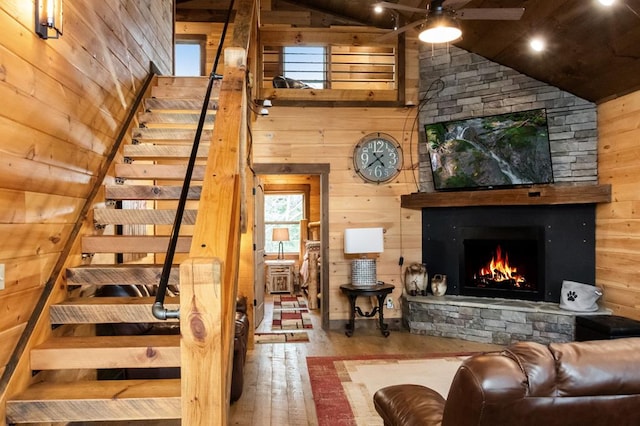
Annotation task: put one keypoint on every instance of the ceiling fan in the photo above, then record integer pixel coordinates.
(440, 24)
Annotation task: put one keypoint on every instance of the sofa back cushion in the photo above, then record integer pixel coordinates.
(603, 367)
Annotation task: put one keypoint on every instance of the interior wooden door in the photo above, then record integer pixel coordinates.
(258, 241)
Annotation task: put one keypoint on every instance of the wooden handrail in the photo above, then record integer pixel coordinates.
(208, 278)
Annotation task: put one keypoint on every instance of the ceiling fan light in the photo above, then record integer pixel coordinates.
(440, 29)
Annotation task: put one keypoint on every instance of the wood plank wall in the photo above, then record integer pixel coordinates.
(213, 32)
(328, 135)
(63, 101)
(618, 223)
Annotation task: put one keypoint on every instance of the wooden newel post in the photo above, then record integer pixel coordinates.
(204, 343)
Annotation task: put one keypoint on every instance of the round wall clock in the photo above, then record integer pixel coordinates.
(377, 157)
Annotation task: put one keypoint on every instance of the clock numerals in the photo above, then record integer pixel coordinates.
(377, 158)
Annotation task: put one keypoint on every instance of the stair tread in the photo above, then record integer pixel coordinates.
(113, 342)
(132, 244)
(141, 216)
(154, 134)
(137, 351)
(107, 389)
(158, 171)
(148, 151)
(167, 117)
(96, 401)
(105, 310)
(172, 80)
(177, 105)
(149, 192)
(134, 274)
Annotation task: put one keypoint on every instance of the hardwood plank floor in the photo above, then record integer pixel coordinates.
(277, 390)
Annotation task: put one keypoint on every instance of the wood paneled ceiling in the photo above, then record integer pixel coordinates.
(592, 51)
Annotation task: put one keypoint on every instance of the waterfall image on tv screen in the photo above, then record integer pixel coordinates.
(486, 152)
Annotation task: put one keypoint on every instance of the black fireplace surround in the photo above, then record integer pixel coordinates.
(549, 243)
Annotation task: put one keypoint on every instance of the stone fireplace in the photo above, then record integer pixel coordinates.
(546, 233)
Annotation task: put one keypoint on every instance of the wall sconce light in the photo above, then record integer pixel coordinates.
(48, 18)
(361, 241)
(280, 235)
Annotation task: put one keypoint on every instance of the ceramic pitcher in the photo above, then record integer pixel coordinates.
(439, 284)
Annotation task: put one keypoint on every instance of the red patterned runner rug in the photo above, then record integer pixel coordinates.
(286, 301)
(343, 387)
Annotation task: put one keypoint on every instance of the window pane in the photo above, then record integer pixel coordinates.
(188, 60)
(283, 207)
(306, 64)
(283, 211)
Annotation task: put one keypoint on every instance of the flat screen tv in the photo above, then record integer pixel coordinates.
(505, 150)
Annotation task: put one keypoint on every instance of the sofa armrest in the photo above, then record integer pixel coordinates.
(409, 405)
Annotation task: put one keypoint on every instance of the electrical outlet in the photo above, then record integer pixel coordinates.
(389, 303)
(1, 276)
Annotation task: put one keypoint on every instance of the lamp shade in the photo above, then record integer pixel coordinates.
(280, 234)
(363, 240)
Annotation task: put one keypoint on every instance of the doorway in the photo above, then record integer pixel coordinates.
(320, 172)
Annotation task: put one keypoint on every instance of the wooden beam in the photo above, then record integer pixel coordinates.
(537, 195)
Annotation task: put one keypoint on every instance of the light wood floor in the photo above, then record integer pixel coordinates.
(276, 389)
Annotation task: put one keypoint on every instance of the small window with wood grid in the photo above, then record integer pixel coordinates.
(338, 67)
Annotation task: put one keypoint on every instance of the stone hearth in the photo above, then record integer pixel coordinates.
(488, 320)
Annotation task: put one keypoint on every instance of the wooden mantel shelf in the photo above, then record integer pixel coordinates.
(536, 195)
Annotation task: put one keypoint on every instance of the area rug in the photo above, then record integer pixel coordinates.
(343, 387)
(299, 336)
(294, 319)
(286, 301)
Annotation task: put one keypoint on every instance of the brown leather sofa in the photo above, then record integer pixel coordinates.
(240, 342)
(579, 383)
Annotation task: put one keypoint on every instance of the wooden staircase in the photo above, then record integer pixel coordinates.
(151, 172)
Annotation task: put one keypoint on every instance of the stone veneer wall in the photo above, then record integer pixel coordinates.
(497, 321)
(476, 87)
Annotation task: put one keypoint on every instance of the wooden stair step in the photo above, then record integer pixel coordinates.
(132, 244)
(158, 171)
(169, 80)
(141, 217)
(177, 105)
(107, 310)
(184, 91)
(155, 135)
(146, 118)
(60, 353)
(96, 401)
(177, 126)
(133, 274)
(149, 192)
(146, 151)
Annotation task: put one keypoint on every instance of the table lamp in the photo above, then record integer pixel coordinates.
(362, 241)
(280, 235)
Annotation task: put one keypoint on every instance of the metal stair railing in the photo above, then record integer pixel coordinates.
(158, 309)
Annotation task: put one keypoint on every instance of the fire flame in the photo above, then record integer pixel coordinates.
(498, 269)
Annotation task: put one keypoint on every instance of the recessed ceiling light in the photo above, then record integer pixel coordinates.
(607, 2)
(537, 44)
(378, 9)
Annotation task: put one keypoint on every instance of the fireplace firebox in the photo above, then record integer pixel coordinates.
(505, 262)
